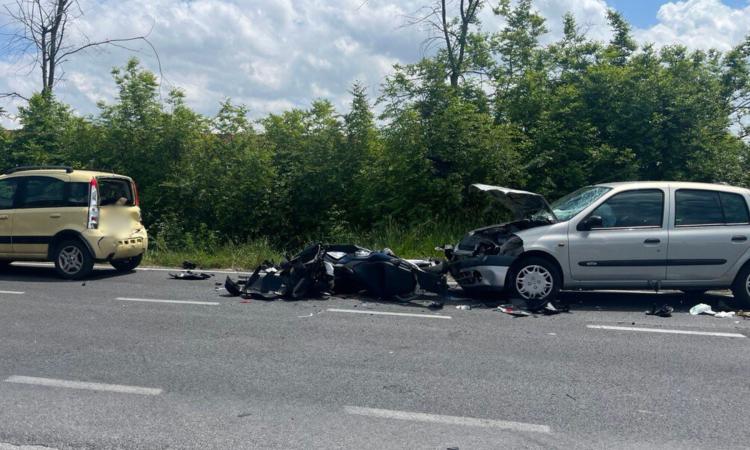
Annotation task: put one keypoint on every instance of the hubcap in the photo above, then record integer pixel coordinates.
(70, 259)
(535, 282)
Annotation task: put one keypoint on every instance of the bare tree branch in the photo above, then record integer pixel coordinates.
(12, 94)
(42, 27)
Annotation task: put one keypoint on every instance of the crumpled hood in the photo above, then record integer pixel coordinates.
(521, 203)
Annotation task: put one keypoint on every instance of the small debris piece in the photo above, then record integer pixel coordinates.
(232, 287)
(724, 314)
(511, 310)
(190, 275)
(701, 308)
(743, 314)
(189, 265)
(434, 305)
(464, 307)
(664, 311)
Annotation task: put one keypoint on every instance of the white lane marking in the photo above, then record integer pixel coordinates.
(155, 300)
(146, 269)
(449, 420)
(7, 446)
(52, 382)
(383, 313)
(659, 330)
(12, 292)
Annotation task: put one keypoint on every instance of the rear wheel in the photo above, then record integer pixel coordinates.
(741, 286)
(535, 280)
(73, 260)
(127, 264)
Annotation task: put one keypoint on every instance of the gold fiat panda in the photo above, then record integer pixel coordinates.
(71, 217)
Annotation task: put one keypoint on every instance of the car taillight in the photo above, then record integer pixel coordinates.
(136, 200)
(93, 222)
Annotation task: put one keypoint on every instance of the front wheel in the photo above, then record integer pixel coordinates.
(535, 280)
(741, 286)
(127, 264)
(73, 260)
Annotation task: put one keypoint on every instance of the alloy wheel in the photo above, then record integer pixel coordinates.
(70, 259)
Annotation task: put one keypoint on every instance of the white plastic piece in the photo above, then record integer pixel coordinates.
(701, 308)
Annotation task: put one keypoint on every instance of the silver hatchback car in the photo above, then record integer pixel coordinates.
(673, 235)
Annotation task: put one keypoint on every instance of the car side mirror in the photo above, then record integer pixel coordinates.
(590, 223)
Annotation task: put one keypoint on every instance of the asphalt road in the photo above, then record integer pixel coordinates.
(82, 367)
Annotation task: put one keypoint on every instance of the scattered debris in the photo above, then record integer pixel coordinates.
(724, 314)
(743, 314)
(701, 308)
(189, 265)
(190, 275)
(513, 311)
(664, 311)
(463, 307)
(320, 270)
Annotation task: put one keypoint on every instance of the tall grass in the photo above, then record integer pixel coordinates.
(416, 241)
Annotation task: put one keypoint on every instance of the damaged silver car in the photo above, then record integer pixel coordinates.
(633, 235)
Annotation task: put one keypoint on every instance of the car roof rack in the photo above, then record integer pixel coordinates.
(67, 169)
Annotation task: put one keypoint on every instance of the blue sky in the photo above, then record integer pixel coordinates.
(642, 13)
(272, 55)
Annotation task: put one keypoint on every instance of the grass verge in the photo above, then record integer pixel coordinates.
(413, 242)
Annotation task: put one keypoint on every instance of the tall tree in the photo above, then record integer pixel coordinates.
(453, 32)
(622, 44)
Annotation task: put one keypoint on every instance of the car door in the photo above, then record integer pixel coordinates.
(711, 231)
(39, 214)
(8, 188)
(630, 245)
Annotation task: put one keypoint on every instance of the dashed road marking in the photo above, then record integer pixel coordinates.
(155, 300)
(13, 292)
(7, 446)
(52, 382)
(384, 313)
(666, 331)
(448, 420)
(139, 269)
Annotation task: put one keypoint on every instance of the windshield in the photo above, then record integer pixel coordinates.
(570, 205)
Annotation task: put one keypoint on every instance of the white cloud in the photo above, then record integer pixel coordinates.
(699, 24)
(273, 55)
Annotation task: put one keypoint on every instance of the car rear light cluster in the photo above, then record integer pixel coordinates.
(93, 220)
(136, 200)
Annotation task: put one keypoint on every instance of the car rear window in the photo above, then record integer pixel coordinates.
(698, 207)
(735, 208)
(78, 194)
(115, 191)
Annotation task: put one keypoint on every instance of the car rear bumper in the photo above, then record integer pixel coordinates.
(107, 248)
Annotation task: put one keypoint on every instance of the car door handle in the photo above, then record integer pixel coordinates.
(652, 241)
(739, 238)
(54, 216)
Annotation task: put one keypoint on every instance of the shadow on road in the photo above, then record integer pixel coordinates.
(37, 274)
(614, 300)
(642, 301)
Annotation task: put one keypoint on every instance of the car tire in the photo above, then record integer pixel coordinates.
(127, 264)
(741, 286)
(535, 279)
(73, 260)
